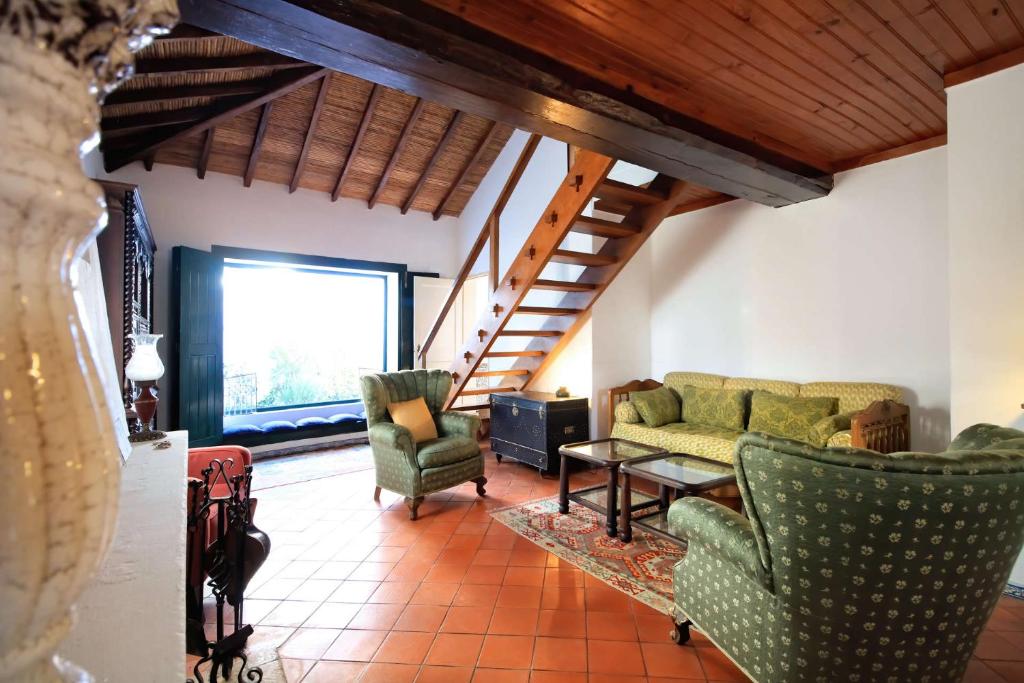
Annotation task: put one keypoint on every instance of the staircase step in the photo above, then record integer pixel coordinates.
(547, 310)
(599, 227)
(609, 206)
(485, 392)
(479, 406)
(514, 354)
(581, 258)
(531, 333)
(563, 286)
(500, 373)
(627, 194)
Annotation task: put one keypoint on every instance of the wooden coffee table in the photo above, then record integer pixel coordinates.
(688, 475)
(609, 454)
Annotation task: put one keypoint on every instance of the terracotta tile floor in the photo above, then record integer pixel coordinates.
(354, 591)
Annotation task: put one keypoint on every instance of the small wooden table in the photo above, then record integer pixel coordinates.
(688, 475)
(609, 454)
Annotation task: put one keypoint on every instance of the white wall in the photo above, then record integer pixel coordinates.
(986, 240)
(219, 210)
(849, 287)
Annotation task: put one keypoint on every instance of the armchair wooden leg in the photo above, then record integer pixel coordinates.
(413, 505)
(376, 494)
(680, 633)
(480, 482)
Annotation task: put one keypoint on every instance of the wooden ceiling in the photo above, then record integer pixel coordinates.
(215, 103)
(832, 83)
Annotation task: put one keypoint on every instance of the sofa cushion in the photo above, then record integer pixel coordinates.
(678, 380)
(788, 416)
(714, 443)
(657, 407)
(446, 451)
(725, 408)
(852, 395)
(414, 416)
(278, 426)
(238, 430)
(311, 421)
(338, 418)
(625, 411)
(776, 386)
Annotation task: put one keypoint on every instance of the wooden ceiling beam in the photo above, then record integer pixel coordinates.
(186, 32)
(403, 140)
(473, 161)
(204, 156)
(441, 57)
(442, 145)
(321, 94)
(119, 126)
(257, 143)
(167, 66)
(216, 113)
(364, 124)
(180, 92)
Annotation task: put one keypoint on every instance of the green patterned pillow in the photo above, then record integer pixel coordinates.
(827, 427)
(657, 407)
(726, 408)
(626, 412)
(787, 416)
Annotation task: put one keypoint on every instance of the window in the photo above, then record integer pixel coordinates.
(301, 334)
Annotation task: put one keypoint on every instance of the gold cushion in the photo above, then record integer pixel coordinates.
(414, 416)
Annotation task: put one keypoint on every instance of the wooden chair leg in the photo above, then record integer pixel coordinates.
(414, 505)
(480, 482)
(376, 494)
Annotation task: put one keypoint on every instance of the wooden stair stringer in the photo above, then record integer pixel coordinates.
(570, 198)
(648, 217)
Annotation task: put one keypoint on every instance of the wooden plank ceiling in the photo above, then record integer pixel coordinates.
(833, 83)
(215, 103)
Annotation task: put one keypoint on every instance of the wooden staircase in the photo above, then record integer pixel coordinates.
(550, 328)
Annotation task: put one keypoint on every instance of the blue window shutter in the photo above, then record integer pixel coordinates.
(198, 323)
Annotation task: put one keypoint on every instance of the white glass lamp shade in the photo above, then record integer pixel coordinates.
(145, 364)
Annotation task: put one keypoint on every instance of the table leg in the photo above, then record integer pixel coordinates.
(611, 507)
(563, 487)
(663, 495)
(625, 519)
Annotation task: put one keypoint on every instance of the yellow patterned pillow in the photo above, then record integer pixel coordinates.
(414, 416)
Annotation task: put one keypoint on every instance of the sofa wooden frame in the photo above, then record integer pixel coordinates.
(883, 426)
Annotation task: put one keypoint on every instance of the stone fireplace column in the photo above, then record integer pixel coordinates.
(59, 462)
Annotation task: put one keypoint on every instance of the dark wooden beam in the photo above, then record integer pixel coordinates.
(185, 65)
(186, 32)
(257, 143)
(217, 113)
(179, 92)
(364, 124)
(204, 156)
(321, 94)
(438, 56)
(148, 161)
(120, 126)
(473, 161)
(442, 145)
(403, 140)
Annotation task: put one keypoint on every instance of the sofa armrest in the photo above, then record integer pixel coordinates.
(457, 423)
(389, 436)
(721, 531)
(826, 427)
(883, 426)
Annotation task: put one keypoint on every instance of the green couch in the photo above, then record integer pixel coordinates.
(718, 443)
(853, 565)
(414, 470)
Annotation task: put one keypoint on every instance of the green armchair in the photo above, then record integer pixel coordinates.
(853, 565)
(414, 470)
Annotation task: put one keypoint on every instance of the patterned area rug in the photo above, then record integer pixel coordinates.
(641, 569)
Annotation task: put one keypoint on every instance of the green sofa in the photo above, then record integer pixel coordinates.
(853, 565)
(718, 443)
(414, 470)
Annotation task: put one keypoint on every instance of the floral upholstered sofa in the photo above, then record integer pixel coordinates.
(758, 405)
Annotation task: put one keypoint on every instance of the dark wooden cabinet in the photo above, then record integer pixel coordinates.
(126, 249)
(529, 426)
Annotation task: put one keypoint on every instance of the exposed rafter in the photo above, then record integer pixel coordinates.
(403, 140)
(473, 161)
(204, 156)
(185, 65)
(257, 143)
(442, 145)
(214, 114)
(181, 92)
(321, 94)
(364, 124)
